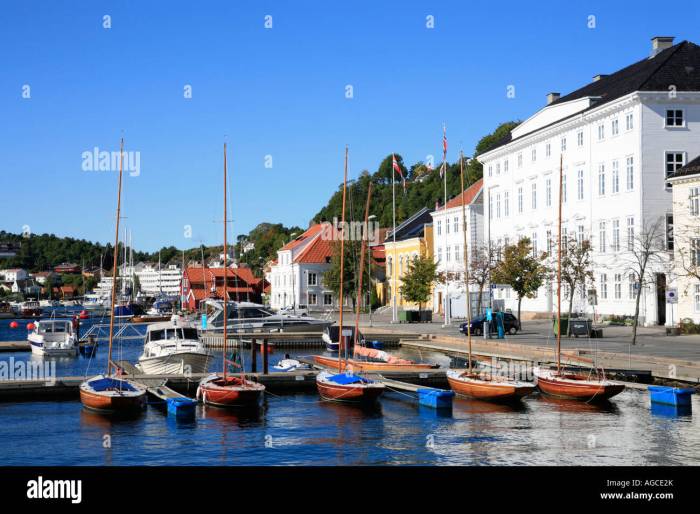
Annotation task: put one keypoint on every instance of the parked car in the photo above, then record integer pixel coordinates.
(299, 310)
(511, 324)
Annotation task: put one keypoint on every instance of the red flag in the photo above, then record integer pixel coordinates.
(397, 168)
(444, 151)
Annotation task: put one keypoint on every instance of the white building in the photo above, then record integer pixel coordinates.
(296, 278)
(13, 274)
(620, 137)
(448, 248)
(686, 218)
(153, 280)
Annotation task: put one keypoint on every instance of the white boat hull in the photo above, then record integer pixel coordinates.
(40, 349)
(177, 363)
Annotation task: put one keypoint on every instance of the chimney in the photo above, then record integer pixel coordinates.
(660, 43)
(598, 77)
(552, 97)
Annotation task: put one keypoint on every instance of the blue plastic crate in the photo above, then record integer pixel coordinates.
(181, 406)
(679, 397)
(436, 398)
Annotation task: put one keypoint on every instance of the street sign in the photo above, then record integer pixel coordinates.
(671, 295)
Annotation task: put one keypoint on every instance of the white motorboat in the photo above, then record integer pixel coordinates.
(53, 338)
(172, 347)
(291, 365)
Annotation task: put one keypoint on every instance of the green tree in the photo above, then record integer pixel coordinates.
(331, 278)
(520, 269)
(418, 280)
(575, 269)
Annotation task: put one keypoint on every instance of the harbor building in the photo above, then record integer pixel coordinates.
(620, 138)
(201, 283)
(154, 280)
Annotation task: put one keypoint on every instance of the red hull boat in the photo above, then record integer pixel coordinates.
(346, 387)
(112, 395)
(229, 392)
(473, 385)
(576, 386)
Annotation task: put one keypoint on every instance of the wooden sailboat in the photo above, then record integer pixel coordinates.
(345, 386)
(469, 382)
(107, 393)
(569, 384)
(226, 390)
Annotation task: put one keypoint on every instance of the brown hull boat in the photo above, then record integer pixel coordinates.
(362, 391)
(576, 386)
(231, 392)
(112, 395)
(472, 385)
(359, 366)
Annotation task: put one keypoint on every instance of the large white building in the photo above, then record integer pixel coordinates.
(154, 280)
(619, 137)
(448, 249)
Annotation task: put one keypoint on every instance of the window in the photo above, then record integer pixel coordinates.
(630, 173)
(520, 160)
(311, 280)
(455, 224)
(694, 201)
(674, 160)
(579, 138)
(550, 242)
(520, 200)
(601, 132)
(563, 188)
(439, 254)
(490, 171)
(631, 287)
(439, 227)
(448, 254)
(458, 257)
(697, 298)
(498, 168)
(601, 179)
(602, 238)
(615, 177)
(618, 286)
(630, 233)
(311, 299)
(695, 251)
(327, 299)
(548, 192)
(629, 121)
(669, 231)
(534, 154)
(498, 205)
(447, 225)
(534, 244)
(579, 185)
(615, 127)
(563, 144)
(604, 286)
(674, 117)
(548, 150)
(505, 166)
(534, 195)
(506, 206)
(616, 235)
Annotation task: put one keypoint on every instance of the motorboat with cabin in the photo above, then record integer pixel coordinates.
(173, 347)
(30, 309)
(249, 317)
(53, 337)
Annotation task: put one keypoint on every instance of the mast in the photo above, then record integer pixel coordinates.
(447, 222)
(225, 269)
(342, 268)
(466, 262)
(362, 267)
(394, 316)
(114, 264)
(561, 164)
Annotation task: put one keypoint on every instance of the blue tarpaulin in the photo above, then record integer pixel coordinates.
(105, 384)
(346, 378)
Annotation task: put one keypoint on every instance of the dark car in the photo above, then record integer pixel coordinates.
(510, 324)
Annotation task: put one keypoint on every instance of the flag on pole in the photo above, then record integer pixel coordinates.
(444, 151)
(397, 168)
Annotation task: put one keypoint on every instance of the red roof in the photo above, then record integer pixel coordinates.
(310, 232)
(318, 251)
(194, 275)
(469, 194)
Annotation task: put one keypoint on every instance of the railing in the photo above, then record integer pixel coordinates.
(100, 331)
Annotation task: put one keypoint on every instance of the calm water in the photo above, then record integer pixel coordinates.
(299, 429)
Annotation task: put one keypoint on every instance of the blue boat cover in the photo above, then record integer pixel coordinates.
(105, 384)
(346, 378)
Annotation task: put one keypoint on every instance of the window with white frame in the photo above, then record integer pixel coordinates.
(311, 299)
(327, 299)
(695, 251)
(448, 254)
(548, 150)
(533, 188)
(579, 185)
(534, 244)
(506, 202)
(563, 188)
(311, 279)
(615, 127)
(604, 286)
(520, 200)
(505, 166)
(548, 192)
(579, 235)
(629, 121)
(630, 233)
(615, 176)
(498, 168)
(601, 179)
(439, 227)
(616, 235)
(631, 286)
(439, 254)
(458, 256)
(630, 173)
(534, 154)
(520, 160)
(455, 224)
(674, 117)
(601, 132)
(498, 205)
(447, 225)
(563, 144)
(490, 170)
(674, 160)
(618, 286)
(669, 231)
(694, 201)
(549, 242)
(579, 138)
(602, 237)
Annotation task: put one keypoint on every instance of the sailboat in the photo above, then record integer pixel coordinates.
(345, 386)
(107, 393)
(225, 390)
(573, 385)
(469, 382)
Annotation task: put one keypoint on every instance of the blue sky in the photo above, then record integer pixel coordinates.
(277, 92)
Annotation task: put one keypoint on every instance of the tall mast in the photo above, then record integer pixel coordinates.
(362, 266)
(225, 268)
(447, 221)
(394, 272)
(561, 165)
(466, 261)
(114, 264)
(342, 267)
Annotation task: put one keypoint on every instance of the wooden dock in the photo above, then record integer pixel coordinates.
(390, 339)
(15, 346)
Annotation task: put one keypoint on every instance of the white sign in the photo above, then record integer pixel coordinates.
(671, 295)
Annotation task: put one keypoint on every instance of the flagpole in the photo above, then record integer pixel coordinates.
(394, 315)
(447, 221)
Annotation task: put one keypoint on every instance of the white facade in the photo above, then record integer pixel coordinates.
(154, 281)
(448, 251)
(14, 274)
(614, 166)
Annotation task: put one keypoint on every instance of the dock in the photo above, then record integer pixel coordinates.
(15, 346)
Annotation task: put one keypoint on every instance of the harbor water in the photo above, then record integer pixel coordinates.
(300, 429)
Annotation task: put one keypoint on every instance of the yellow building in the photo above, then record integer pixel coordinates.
(414, 238)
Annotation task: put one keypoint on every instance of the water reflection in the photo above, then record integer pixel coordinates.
(567, 405)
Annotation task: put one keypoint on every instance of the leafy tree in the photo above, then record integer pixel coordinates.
(521, 270)
(417, 282)
(575, 269)
(481, 265)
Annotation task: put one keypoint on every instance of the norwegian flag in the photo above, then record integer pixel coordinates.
(397, 168)
(444, 151)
